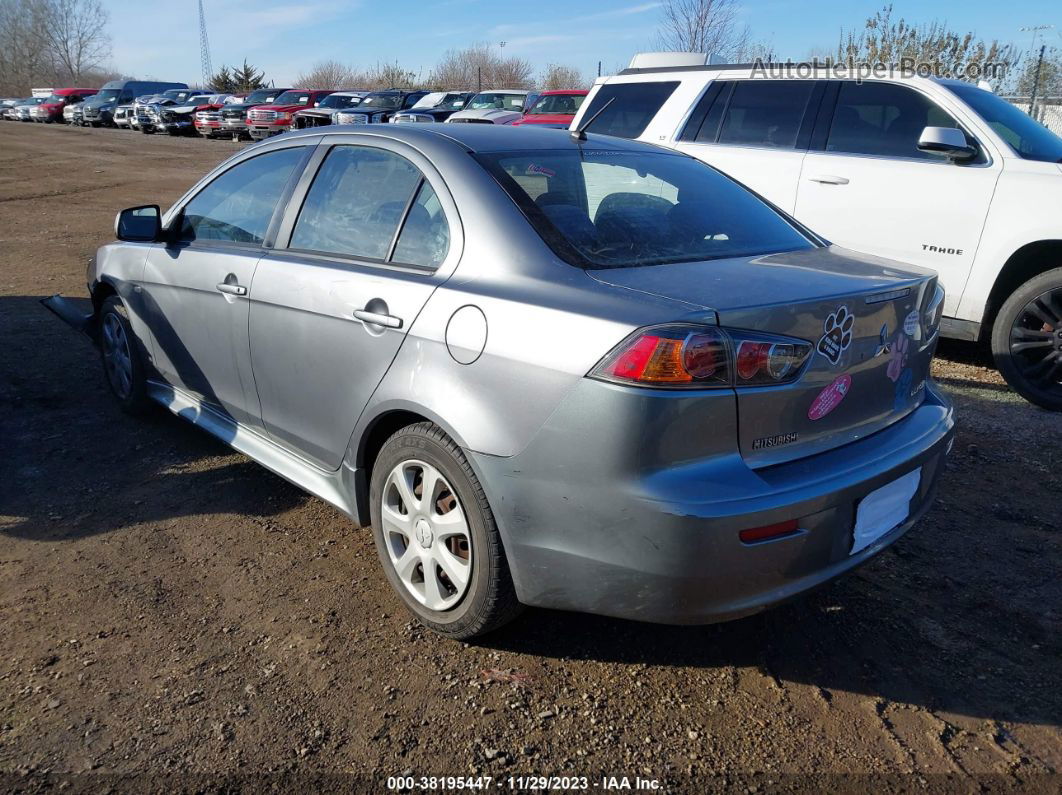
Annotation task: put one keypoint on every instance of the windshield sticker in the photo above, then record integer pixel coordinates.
(900, 347)
(837, 334)
(830, 398)
(903, 388)
(910, 323)
(535, 168)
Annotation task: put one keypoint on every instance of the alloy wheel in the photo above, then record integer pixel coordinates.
(117, 358)
(426, 534)
(1036, 341)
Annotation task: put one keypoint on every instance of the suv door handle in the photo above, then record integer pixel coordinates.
(378, 319)
(232, 289)
(828, 179)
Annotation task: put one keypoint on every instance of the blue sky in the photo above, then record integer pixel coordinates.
(161, 40)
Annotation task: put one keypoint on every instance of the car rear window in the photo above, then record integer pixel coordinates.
(613, 209)
(632, 108)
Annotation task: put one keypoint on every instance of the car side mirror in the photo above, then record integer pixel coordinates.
(947, 141)
(139, 224)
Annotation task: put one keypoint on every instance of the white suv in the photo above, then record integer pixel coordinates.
(939, 173)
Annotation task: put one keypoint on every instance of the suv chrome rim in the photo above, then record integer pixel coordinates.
(1036, 341)
(116, 356)
(426, 534)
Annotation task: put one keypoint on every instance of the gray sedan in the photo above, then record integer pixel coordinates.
(581, 374)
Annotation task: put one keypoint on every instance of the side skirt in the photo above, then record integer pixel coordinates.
(336, 488)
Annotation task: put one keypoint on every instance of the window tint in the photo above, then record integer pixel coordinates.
(634, 107)
(765, 112)
(1025, 135)
(356, 202)
(609, 209)
(425, 236)
(238, 206)
(883, 119)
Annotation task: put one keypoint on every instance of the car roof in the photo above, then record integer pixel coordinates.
(479, 137)
(555, 91)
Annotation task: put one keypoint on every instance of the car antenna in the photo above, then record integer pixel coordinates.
(579, 133)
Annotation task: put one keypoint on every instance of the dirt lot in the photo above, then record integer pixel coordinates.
(171, 610)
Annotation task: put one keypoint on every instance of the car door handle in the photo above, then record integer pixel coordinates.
(378, 319)
(828, 179)
(232, 289)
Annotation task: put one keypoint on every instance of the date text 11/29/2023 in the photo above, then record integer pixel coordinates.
(522, 783)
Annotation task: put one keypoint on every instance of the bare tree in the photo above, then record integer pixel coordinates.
(330, 74)
(557, 77)
(389, 75)
(76, 35)
(479, 66)
(709, 26)
(950, 54)
(51, 42)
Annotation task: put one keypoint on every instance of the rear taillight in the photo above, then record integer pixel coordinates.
(679, 356)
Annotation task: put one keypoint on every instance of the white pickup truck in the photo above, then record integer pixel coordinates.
(935, 172)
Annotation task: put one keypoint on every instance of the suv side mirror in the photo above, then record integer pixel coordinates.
(139, 224)
(947, 141)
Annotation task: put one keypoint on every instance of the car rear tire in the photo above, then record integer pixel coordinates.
(436, 536)
(120, 355)
(1027, 340)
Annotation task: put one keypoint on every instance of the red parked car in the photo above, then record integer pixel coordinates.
(52, 108)
(267, 120)
(554, 108)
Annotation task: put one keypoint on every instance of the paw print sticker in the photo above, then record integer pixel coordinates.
(837, 334)
(898, 357)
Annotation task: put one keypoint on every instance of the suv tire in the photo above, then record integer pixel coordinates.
(1027, 340)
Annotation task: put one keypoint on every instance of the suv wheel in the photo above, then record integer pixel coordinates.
(121, 358)
(436, 536)
(1027, 340)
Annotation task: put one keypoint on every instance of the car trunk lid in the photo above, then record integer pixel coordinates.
(863, 316)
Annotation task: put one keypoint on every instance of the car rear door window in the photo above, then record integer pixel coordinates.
(425, 236)
(237, 206)
(883, 119)
(765, 113)
(356, 203)
(633, 106)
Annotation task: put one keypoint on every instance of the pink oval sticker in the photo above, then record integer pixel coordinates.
(830, 398)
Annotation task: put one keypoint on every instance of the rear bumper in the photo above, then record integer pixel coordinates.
(663, 545)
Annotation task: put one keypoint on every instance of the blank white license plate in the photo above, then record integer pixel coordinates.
(884, 509)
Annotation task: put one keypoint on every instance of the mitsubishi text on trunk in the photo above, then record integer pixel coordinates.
(578, 373)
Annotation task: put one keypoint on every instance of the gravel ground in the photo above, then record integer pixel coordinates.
(175, 615)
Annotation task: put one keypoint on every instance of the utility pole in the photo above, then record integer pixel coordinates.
(1035, 30)
(1036, 81)
(204, 49)
(599, 68)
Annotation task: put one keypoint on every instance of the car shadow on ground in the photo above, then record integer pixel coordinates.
(962, 615)
(74, 465)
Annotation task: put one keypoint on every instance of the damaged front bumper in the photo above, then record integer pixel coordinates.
(72, 311)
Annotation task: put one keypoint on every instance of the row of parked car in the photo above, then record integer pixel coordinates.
(174, 108)
(937, 173)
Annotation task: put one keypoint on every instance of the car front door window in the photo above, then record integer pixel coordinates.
(237, 206)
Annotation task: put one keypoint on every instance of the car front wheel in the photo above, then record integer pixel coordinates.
(121, 358)
(1027, 340)
(436, 536)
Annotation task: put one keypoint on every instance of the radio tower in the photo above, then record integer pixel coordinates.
(204, 48)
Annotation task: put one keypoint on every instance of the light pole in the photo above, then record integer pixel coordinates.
(1035, 29)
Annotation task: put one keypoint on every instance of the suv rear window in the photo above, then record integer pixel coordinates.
(634, 107)
(614, 209)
